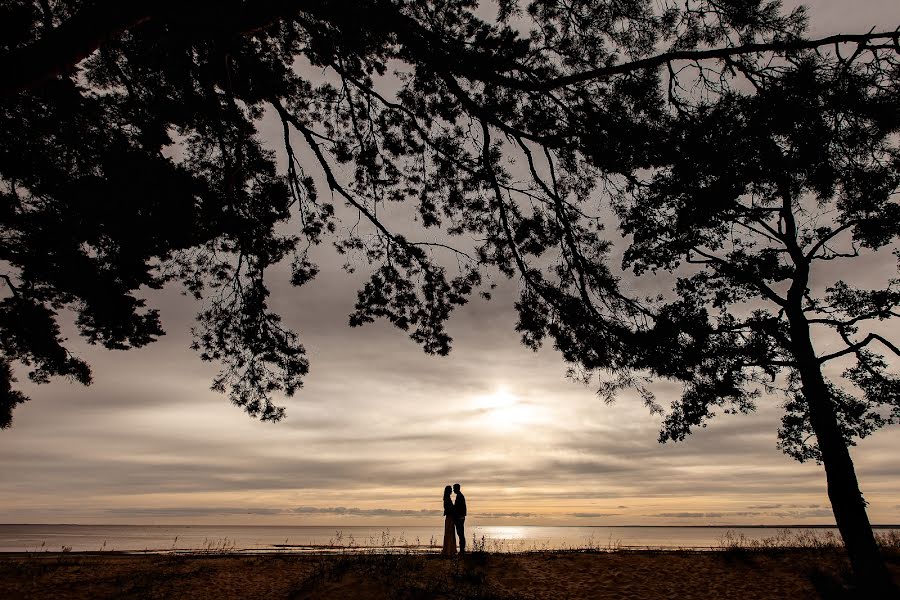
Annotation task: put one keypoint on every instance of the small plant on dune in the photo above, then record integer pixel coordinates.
(64, 558)
(337, 540)
(386, 539)
(612, 545)
(889, 540)
(222, 546)
(785, 539)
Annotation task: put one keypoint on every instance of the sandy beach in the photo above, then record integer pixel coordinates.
(741, 574)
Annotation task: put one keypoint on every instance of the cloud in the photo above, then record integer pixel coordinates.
(343, 511)
(189, 511)
(801, 514)
(688, 515)
(393, 512)
(364, 512)
(380, 424)
(771, 506)
(796, 515)
(706, 515)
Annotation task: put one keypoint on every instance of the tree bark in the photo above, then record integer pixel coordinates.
(847, 501)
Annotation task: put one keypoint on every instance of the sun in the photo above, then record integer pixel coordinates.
(502, 410)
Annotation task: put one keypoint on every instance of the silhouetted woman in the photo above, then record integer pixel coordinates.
(449, 548)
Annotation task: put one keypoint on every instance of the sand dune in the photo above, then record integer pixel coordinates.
(625, 575)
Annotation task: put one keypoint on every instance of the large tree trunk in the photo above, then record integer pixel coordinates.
(847, 501)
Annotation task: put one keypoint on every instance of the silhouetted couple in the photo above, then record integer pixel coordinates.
(454, 521)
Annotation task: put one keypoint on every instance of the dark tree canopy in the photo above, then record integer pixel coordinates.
(735, 151)
(142, 164)
(761, 190)
(764, 194)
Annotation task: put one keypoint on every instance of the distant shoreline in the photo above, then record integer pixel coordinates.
(388, 526)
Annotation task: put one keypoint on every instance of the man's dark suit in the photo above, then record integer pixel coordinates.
(459, 513)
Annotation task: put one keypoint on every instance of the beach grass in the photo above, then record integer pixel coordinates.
(788, 565)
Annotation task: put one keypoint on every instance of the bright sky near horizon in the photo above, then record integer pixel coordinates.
(380, 428)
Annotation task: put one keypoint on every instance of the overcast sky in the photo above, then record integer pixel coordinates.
(380, 428)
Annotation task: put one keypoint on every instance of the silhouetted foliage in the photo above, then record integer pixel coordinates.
(762, 189)
(142, 163)
(132, 158)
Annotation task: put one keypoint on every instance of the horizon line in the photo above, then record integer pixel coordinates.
(719, 526)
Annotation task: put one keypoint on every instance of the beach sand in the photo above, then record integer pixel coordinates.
(746, 575)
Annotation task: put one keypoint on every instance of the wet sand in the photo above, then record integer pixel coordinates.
(795, 574)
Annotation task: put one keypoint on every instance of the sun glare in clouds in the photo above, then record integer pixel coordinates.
(503, 411)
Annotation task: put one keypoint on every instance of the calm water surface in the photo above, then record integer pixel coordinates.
(53, 538)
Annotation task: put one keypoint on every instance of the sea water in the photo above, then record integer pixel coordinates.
(254, 538)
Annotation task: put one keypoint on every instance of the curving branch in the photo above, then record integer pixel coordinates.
(414, 248)
(828, 237)
(64, 46)
(658, 60)
(724, 265)
(856, 347)
(12, 287)
(333, 183)
(494, 183)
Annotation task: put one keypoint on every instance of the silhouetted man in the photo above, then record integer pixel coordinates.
(459, 512)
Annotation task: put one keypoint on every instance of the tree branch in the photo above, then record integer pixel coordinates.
(712, 53)
(831, 235)
(764, 289)
(501, 205)
(75, 39)
(333, 183)
(852, 348)
(9, 283)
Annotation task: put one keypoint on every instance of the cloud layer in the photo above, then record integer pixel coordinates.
(380, 428)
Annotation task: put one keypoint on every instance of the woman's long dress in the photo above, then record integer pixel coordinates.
(449, 548)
